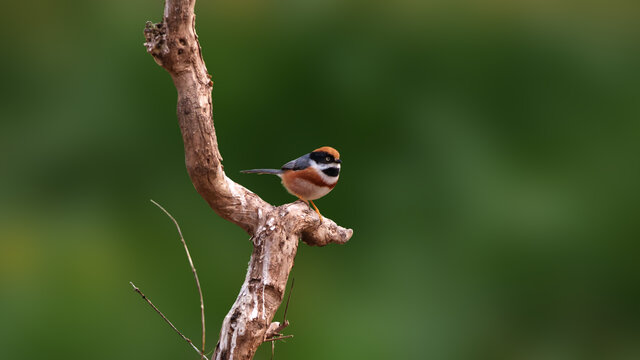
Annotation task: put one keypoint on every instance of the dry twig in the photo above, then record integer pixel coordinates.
(275, 328)
(135, 288)
(193, 269)
(279, 338)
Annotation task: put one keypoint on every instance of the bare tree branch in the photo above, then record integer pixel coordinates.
(279, 338)
(135, 288)
(275, 231)
(193, 269)
(275, 328)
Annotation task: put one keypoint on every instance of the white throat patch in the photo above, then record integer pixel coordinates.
(326, 178)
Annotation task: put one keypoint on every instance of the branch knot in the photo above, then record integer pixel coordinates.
(156, 40)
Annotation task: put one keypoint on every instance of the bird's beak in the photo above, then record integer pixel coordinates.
(338, 161)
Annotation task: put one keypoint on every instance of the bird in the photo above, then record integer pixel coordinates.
(309, 177)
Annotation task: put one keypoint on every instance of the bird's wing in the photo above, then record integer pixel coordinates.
(298, 164)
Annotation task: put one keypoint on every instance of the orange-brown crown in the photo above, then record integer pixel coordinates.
(329, 150)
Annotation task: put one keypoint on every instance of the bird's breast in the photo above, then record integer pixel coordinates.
(308, 184)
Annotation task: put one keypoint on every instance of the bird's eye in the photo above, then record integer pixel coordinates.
(327, 159)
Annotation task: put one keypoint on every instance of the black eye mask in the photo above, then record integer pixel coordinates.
(321, 157)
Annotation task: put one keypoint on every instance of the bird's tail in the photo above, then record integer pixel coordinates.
(263, 171)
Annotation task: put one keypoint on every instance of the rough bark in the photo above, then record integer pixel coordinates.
(275, 231)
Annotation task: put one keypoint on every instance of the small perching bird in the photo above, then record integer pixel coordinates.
(309, 177)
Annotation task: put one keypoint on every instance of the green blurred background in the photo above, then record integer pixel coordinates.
(490, 174)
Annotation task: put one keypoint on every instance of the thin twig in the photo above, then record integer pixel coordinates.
(273, 349)
(135, 288)
(195, 274)
(284, 318)
(283, 325)
(279, 338)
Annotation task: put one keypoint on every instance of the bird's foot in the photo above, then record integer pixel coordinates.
(316, 208)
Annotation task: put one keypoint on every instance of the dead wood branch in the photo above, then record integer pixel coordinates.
(275, 230)
(135, 288)
(193, 270)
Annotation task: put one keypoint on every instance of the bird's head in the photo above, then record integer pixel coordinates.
(327, 160)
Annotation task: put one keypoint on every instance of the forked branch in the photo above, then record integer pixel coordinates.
(275, 230)
(145, 298)
(195, 274)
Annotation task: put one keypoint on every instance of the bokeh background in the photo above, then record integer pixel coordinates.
(490, 173)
